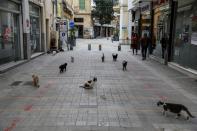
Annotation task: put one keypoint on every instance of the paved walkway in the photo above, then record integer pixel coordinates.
(120, 101)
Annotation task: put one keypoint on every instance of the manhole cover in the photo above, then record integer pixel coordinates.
(28, 83)
(16, 83)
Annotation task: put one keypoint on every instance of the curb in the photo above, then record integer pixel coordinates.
(9, 66)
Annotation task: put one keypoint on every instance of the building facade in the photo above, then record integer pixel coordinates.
(22, 29)
(82, 18)
(10, 31)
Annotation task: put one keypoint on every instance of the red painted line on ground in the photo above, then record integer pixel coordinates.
(12, 125)
(28, 107)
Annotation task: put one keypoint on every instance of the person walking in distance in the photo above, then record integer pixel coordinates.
(144, 45)
(134, 41)
(163, 44)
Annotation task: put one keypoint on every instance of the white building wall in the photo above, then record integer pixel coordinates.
(123, 21)
(130, 23)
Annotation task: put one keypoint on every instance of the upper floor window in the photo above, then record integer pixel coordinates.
(81, 4)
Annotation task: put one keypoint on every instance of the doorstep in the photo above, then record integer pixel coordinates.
(188, 71)
(12, 65)
(157, 59)
(33, 56)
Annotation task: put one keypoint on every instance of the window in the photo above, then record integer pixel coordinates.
(81, 4)
(78, 19)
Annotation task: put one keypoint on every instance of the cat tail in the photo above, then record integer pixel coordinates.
(81, 86)
(189, 113)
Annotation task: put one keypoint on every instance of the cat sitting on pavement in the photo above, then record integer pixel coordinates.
(115, 56)
(89, 84)
(35, 80)
(174, 108)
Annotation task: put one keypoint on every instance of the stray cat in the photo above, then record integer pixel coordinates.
(175, 108)
(35, 80)
(63, 67)
(115, 56)
(103, 58)
(89, 84)
(124, 65)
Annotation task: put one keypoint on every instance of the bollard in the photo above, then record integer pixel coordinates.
(72, 59)
(100, 47)
(89, 46)
(119, 47)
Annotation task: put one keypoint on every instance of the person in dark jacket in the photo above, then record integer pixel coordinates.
(144, 45)
(163, 44)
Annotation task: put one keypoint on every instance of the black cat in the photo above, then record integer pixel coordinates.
(124, 65)
(63, 67)
(103, 58)
(174, 108)
(115, 56)
(89, 84)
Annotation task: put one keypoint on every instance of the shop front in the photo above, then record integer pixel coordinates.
(185, 41)
(160, 27)
(10, 47)
(35, 28)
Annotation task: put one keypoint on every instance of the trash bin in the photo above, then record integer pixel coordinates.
(89, 46)
(119, 47)
(100, 47)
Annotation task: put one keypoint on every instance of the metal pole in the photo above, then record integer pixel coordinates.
(151, 27)
(140, 21)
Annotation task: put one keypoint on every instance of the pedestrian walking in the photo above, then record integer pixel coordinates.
(163, 44)
(144, 45)
(134, 43)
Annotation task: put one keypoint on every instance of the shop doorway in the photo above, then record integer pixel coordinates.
(80, 31)
(9, 37)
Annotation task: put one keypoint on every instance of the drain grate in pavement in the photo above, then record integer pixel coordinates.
(28, 83)
(16, 83)
(88, 106)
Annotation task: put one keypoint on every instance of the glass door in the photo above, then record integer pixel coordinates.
(16, 35)
(9, 37)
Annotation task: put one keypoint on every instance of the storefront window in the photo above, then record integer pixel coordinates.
(35, 28)
(185, 51)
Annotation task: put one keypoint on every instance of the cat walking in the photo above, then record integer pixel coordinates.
(63, 67)
(175, 108)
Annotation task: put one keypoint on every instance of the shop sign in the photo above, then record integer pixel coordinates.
(63, 30)
(63, 26)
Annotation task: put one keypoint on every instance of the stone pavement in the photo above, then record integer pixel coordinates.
(120, 101)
